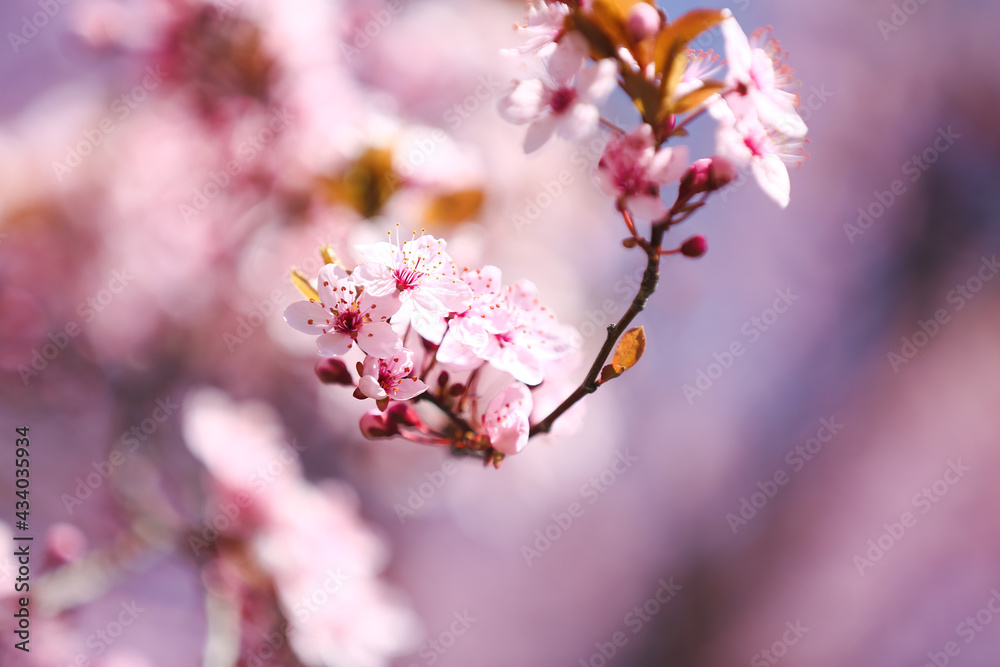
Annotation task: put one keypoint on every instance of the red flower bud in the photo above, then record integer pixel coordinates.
(696, 246)
(333, 371)
(375, 426)
(402, 414)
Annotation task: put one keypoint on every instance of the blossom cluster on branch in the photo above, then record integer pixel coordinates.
(465, 320)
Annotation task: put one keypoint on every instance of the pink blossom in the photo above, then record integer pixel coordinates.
(747, 141)
(544, 25)
(758, 77)
(346, 314)
(564, 102)
(507, 419)
(390, 378)
(507, 328)
(632, 169)
(422, 275)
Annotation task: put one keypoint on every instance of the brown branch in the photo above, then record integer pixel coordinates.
(650, 279)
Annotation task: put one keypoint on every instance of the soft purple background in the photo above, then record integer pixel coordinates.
(888, 97)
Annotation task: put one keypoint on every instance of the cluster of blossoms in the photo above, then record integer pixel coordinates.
(634, 46)
(468, 320)
(464, 321)
(284, 553)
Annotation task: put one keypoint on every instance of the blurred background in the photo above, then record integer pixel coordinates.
(825, 497)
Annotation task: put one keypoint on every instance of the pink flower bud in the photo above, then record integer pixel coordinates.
(643, 21)
(696, 246)
(706, 175)
(375, 426)
(333, 371)
(402, 414)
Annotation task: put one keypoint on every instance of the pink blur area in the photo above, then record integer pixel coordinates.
(826, 494)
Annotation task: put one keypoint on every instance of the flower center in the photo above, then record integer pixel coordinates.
(406, 278)
(349, 322)
(561, 100)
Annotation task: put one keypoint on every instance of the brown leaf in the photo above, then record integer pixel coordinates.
(300, 281)
(610, 372)
(630, 349)
(452, 208)
(696, 97)
(671, 48)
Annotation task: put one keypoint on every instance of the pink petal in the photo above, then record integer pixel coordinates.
(668, 164)
(307, 317)
(379, 308)
(567, 59)
(333, 344)
(379, 340)
(407, 389)
(370, 387)
(520, 363)
(506, 419)
(647, 207)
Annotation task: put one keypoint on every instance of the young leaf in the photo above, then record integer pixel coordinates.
(300, 281)
(630, 349)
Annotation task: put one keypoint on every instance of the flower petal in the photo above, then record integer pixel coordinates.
(333, 344)
(378, 339)
(370, 387)
(539, 132)
(523, 103)
(307, 317)
(597, 81)
(407, 389)
(376, 278)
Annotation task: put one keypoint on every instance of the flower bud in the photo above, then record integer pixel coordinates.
(696, 246)
(643, 21)
(374, 426)
(706, 175)
(333, 371)
(402, 414)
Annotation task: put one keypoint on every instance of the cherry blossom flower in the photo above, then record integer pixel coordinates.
(346, 314)
(544, 25)
(747, 141)
(390, 378)
(506, 419)
(632, 169)
(758, 77)
(422, 275)
(701, 65)
(508, 328)
(564, 102)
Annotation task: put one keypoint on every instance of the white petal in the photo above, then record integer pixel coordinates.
(380, 253)
(333, 344)
(597, 81)
(520, 363)
(523, 103)
(738, 52)
(377, 279)
(580, 122)
(772, 177)
(307, 317)
(379, 340)
(539, 132)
